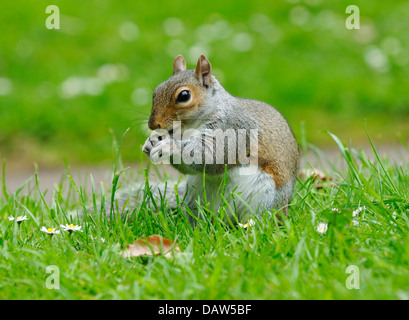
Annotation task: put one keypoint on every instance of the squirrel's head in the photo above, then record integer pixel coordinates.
(181, 97)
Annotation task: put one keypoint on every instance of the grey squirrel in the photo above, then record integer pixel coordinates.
(191, 116)
(195, 101)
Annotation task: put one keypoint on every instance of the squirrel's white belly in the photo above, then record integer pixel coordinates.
(251, 192)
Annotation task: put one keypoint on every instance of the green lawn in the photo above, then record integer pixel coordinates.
(266, 261)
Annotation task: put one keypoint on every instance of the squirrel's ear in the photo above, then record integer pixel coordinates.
(179, 64)
(204, 70)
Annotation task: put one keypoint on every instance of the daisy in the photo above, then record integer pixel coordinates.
(358, 211)
(248, 224)
(71, 227)
(50, 231)
(19, 218)
(322, 227)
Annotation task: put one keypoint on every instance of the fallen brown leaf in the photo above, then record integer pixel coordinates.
(151, 246)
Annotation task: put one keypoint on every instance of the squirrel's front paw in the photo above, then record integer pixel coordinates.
(149, 143)
(162, 151)
(158, 148)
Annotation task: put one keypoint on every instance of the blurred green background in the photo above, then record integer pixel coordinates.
(62, 92)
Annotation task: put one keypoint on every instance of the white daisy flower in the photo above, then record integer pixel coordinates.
(355, 222)
(50, 231)
(248, 224)
(322, 227)
(358, 211)
(19, 218)
(71, 227)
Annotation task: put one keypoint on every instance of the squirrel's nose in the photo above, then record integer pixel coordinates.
(153, 124)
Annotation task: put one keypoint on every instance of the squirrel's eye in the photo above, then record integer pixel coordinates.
(184, 96)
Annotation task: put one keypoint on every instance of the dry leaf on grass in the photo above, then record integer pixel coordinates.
(151, 246)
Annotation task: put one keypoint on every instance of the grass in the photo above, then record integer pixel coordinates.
(267, 261)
